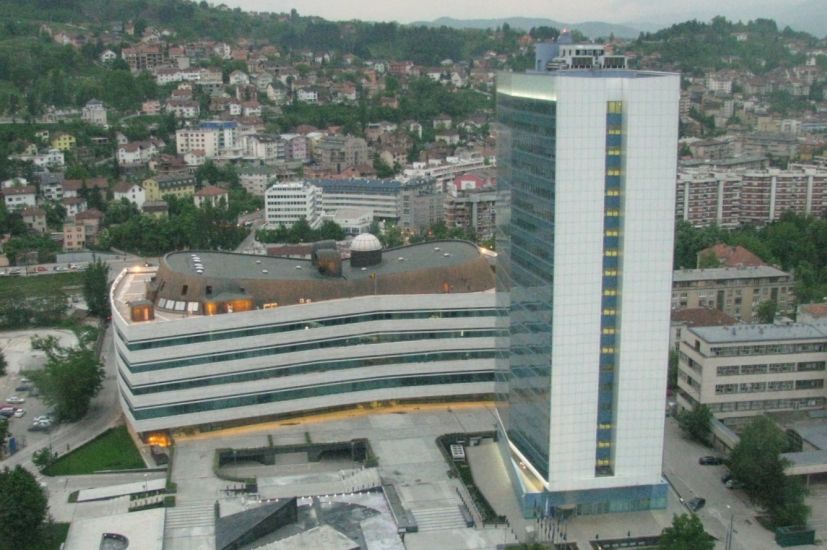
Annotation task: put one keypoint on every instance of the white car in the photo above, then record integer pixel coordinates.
(19, 413)
(44, 418)
(15, 400)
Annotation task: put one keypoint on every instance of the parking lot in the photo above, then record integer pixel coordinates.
(691, 479)
(20, 357)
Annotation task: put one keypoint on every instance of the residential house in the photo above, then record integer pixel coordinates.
(34, 218)
(91, 220)
(74, 237)
(108, 56)
(151, 107)
(137, 153)
(63, 141)
(442, 122)
(72, 188)
(196, 157)
(212, 195)
(51, 185)
(183, 108)
(239, 78)
(20, 197)
(132, 192)
(181, 185)
(73, 205)
(307, 95)
(156, 209)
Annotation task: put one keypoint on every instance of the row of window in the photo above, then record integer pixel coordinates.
(731, 351)
(768, 404)
(308, 392)
(314, 344)
(309, 367)
(778, 385)
(772, 368)
(302, 325)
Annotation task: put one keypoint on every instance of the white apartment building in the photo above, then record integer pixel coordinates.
(741, 371)
(216, 139)
(288, 202)
(132, 192)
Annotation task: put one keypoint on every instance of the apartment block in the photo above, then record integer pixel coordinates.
(737, 291)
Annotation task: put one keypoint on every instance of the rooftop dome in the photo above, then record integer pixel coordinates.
(365, 242)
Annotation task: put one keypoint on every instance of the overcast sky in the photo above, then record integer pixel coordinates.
(612, 11)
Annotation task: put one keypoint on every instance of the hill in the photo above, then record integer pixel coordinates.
(592, 29)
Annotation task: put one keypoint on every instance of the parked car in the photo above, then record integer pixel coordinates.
(59, 268)
(733, 483)
(710, 461)
(19, 413)
(44, 418)
(7, 412)
(40, 269)
(15, 400)
(23, 387)
(695, 504)
(726, 477)
(73, 267)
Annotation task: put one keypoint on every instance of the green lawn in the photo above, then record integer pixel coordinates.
(54, 534)
(112, 450)
(38, 284)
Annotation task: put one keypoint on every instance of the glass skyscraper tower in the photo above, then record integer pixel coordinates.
(586, 173)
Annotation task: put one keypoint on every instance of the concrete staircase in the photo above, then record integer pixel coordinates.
(186, 515)
(436, 519)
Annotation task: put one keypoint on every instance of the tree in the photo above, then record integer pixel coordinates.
(708, 259)
(96, 288)
(756, 462)
(23, 507)
(686, 533)
(672, 378)
(766, 311)
(69, 381)
(696, 423)
(43, 457)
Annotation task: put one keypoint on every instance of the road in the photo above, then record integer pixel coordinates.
(104, 412)
(249, 245)
(690, 479)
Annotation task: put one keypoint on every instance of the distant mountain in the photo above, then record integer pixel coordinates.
(591, 29)
(809, 16)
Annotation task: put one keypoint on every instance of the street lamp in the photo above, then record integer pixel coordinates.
(730, 532)
(145, 489)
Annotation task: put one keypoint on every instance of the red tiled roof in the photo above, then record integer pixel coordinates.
(210, 191)
(702, 317)
(733, 256)
(24, 190)
(816, 310)
(91, 214)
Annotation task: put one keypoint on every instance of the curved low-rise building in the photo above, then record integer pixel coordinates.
(214, 338)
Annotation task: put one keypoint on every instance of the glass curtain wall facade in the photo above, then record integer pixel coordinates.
(525, 268)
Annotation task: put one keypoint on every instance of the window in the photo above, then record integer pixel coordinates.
(184, 290)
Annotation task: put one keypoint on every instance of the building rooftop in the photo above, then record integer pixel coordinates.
(197, 282)
(702, 317)
(733, 256)
(725, 273)
(225, 265)
(758, 333)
